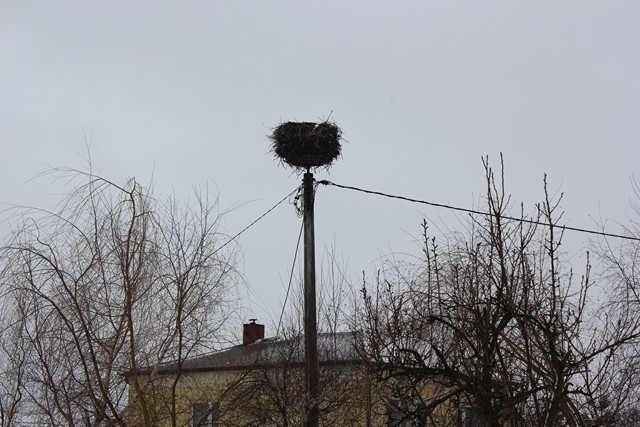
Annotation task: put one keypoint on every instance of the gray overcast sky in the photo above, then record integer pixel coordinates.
(187, 91)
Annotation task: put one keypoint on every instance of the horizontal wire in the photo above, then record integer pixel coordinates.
(439, 205)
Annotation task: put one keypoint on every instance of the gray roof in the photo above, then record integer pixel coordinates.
(339, 347)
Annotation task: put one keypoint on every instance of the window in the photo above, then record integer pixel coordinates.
(467, 415)
(204, 413)
(401, 412)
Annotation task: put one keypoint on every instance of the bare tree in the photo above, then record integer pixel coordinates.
(272, 391)
(618, 401)
(13, 363)
(490, 328)
(113, 281)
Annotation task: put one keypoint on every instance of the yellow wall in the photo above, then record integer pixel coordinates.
(347, 398)
(245, 396)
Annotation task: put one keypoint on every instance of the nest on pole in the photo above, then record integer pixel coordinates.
(306, 145)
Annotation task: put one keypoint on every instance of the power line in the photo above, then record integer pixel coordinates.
(293, 265)
(258, 219)
(439, 205)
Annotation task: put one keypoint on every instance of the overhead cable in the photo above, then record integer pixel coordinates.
(293, 265)
(258, 219)
(472, 211)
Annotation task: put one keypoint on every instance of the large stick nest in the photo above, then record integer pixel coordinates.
(306, 145)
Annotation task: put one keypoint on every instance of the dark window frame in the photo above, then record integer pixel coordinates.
(205, 413)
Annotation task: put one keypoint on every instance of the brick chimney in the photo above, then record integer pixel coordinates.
(252, 332)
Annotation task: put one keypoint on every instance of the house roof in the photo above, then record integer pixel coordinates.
(333, 348)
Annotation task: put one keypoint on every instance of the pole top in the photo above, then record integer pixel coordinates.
(306, 145)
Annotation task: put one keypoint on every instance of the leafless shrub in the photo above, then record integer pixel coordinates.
(113, 281)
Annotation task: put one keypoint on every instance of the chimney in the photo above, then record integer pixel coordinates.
(252, 332)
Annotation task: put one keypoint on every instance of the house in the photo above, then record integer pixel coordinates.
(259, 382)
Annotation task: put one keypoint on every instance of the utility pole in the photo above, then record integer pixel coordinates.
(310, 317)
(304, 146)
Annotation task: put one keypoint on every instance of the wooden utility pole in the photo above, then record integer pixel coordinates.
(304, 146)
(310, 317)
